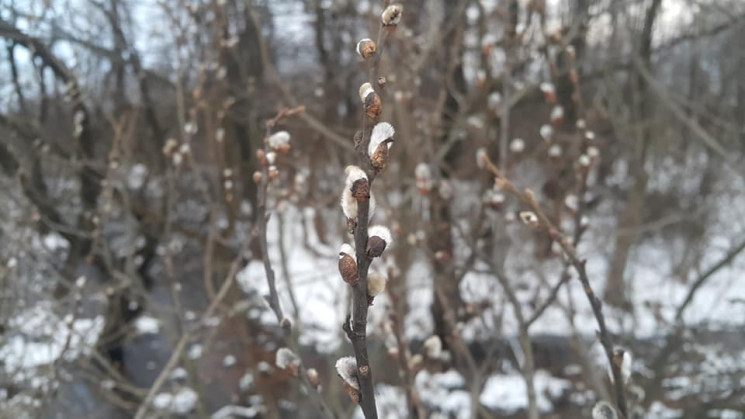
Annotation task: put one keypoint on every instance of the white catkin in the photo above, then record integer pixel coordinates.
(346, 367)
(375, 284)
(517, 145)
(546, 132)
(359, 44)
(347, 249)
(529, 217)
(285, 357)
(433, 347)
(365, 90)
(347, 201)
(481, 154)
(603, 410)
(422, 171)
(381, 132)
(381, 231)
(278, 139)
(557, 113)
(392, 15)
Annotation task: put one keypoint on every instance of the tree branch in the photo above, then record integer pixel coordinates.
(528, 199)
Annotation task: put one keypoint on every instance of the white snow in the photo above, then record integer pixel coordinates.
(509, 392)
(41, 338)
(181, 402)
(315, 280)
(147, 325)
(444, 392)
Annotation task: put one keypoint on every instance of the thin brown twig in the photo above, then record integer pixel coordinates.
(181, 344)
(355, 326)
(528, 198)
(273, 297)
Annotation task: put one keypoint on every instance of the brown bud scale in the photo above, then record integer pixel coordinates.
(361, 190)
(375, 246)
(380, 157)
(348, 269)
(373, 105)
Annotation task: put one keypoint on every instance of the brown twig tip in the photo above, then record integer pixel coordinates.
(284, 113)
(391, 16)
(348, 265)
(379, 239)
(366, 48)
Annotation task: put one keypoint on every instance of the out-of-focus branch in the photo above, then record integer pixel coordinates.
(90, 186)
(528, 198)
(726, 260)
(289, 98)
(178, 350)
(273, 298)
(679, 113)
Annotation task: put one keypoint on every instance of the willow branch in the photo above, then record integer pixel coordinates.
(273, 297)
(528, 198)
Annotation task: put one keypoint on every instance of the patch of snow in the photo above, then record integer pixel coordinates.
(246, 382)
(444, 393)
(181, 402)
(195, 351)
(147, 325)
(162, 401)
(228, 361)
(137, 176)
(184, 401)
(41, 337)
(659, 410)
(509, 392)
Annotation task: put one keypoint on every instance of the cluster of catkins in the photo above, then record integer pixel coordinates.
(494, 198)
(357, 190)
(277, 143)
